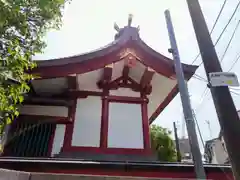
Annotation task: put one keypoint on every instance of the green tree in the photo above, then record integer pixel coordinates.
(23, 24)
(162, 144)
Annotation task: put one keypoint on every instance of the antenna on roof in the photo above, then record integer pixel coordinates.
(209, 128)
(130, 16)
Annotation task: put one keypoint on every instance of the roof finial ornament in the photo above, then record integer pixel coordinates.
(138, 28)
(127, 31)
(130, 17)
(116, 27)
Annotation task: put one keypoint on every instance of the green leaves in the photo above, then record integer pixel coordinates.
(162, 144)
(23, 23)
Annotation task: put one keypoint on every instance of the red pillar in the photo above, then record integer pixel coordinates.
(146, 132)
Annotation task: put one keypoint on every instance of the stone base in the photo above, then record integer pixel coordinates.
(19, 175)
(107, 157)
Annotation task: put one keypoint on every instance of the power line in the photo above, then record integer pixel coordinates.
(214, 25)
(224, 29)
(205, 93)
(235, 62)
(199, 131)
(230, 41)
(224, 54)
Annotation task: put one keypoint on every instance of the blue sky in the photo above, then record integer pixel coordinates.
(88, 25)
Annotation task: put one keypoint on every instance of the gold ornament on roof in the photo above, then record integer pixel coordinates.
(109, 65)
(129, 53)
(130, 57)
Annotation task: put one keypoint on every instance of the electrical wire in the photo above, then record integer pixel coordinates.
(205, 92)
(214, 25)
(224, 29)
(235, 62)
(230, 41)
(198, 77)
(198, 127)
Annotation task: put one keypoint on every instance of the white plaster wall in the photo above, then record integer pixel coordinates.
(161, 87)
(136, 72)
(125, 126)
(87, 123)
(58, 139)
(124, 92)
(87, 81)
(58, 111)
(117, 69)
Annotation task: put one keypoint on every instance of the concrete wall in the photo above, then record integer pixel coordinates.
(17, 175)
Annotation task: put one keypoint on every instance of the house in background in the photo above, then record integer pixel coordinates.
(215, 150)
(185, 150)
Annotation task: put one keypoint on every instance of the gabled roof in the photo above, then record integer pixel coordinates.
(127, 37)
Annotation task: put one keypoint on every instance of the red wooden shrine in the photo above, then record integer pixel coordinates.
(90, 113)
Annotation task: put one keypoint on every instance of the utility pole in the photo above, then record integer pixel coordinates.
(179, 159)
(187, 110)
(226, 111)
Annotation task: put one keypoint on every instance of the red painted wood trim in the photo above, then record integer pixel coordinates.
(79, 94)
(74, 94)
(146, 174)
(50, 119)
(124, 99)
(72, 82)
(122, 82)
(125, 73)
(166, 101)
(51, 141)
(67, 142)
(104, 124)
(145, 124)
(67, 147)
(146, 77)
(162, 66)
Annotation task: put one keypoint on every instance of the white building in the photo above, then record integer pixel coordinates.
(215, 151)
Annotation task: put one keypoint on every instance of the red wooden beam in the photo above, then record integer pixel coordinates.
(73, 94)
(123, 99)
(125, 73)
(72, 82)
(147, 77)
(107, 73)
(106, 76)
(46, 101)
(43, 119)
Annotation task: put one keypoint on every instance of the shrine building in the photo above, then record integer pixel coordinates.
(86, 111)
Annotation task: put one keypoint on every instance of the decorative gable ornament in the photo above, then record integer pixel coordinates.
(130, 57)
